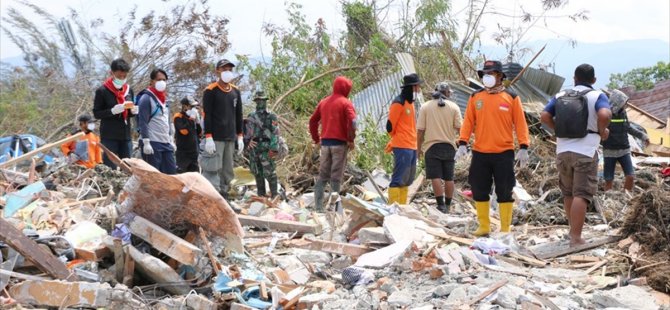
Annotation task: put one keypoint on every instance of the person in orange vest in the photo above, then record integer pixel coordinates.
(85, 152)
(494, 114)
(401, 126)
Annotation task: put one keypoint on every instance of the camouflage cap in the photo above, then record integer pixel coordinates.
(260, 95)
(617, 100)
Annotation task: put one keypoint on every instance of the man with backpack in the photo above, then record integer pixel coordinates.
(579, 117)
(262, 140)
(154, 121)
(494, 114)
(617, 148)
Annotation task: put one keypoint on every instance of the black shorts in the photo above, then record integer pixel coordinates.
(440, 162)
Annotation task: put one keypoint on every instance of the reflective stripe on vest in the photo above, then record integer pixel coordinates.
(620, 120)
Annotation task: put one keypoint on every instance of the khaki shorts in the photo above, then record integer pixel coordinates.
(577, 175)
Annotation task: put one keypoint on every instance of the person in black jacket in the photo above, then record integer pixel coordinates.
(114, 106)
(187, 131)
(222, 104)
(617, 148)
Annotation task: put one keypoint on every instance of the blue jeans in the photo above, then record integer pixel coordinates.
(404, 167)
(610, 164)
(162, 158)
(122, 149)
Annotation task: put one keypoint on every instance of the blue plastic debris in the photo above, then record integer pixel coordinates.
(17, 200)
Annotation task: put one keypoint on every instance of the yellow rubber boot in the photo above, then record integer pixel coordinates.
(402, 197)
(506, 209)
(483, 217)
(394, 193)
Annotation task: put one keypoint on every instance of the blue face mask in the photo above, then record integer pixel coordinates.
(118, 83)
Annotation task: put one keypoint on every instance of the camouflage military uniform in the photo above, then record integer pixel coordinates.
(262, 127)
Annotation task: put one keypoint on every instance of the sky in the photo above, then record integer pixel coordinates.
(608, 20)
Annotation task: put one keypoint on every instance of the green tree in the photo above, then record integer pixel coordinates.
(641, 78)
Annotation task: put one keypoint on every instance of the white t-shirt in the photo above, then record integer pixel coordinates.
(587, 145)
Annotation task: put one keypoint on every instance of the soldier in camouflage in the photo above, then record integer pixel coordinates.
(262, 139)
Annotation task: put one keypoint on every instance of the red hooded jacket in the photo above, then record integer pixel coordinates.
(336, 114)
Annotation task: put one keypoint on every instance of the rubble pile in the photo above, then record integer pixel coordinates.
(138, 239)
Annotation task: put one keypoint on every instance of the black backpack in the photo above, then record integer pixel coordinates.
(572, 114)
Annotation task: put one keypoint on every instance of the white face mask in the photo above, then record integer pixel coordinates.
(417, 95)
(227, 76)
(118, 83)
(160, 86)
(90, 126)
(489, 80)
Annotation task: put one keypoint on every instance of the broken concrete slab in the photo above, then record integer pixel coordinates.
(312, 300)
(164, 241)
(631, 296)
(373, 235)
(400, 299)
(398, 227)
(62, 294)
(279, 225)
(158, 271)
(179, 202)
(384, 256)
(330, 247)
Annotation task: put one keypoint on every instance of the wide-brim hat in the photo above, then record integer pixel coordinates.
(260, 95)
(491, 66)
(411, 80)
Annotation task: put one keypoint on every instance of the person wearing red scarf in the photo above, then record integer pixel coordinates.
(156, 134)
(114, 106)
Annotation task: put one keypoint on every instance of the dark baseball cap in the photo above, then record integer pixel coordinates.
(85, 118)
(224, 62)
(490, 66)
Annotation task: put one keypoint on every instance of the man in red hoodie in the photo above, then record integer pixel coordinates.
(337, 117)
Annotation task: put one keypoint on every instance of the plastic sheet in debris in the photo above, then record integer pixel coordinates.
(22, 198)
(491, 246)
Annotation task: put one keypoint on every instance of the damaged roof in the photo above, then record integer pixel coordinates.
(655, 101)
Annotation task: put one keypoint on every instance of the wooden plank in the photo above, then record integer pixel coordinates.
(215, 263)
(119, 264)
(583, 259)
(278, 225)
(353, 250)
(374, 184)
(488, 292)
(414, 187)
(29, 249)
(264, 291)
(440, 233)
(529, 260)
(44, 148)
(596, 266)
(164, 241)
(582, 247)
(128, 268)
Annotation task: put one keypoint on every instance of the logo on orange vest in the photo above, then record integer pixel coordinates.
(407, 111)
(479, 104)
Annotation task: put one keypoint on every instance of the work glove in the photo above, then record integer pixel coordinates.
(118, 109)
(240, 145)
(522, 158)
(147, 149)
(135, 110)
(192, 114)
(210, 148)
(462, 151)
(72, 158)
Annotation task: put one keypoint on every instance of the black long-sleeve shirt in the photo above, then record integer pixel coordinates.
(112, 126)
(186, 133)
(223, 112)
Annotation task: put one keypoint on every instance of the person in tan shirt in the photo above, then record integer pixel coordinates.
(437, 132)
